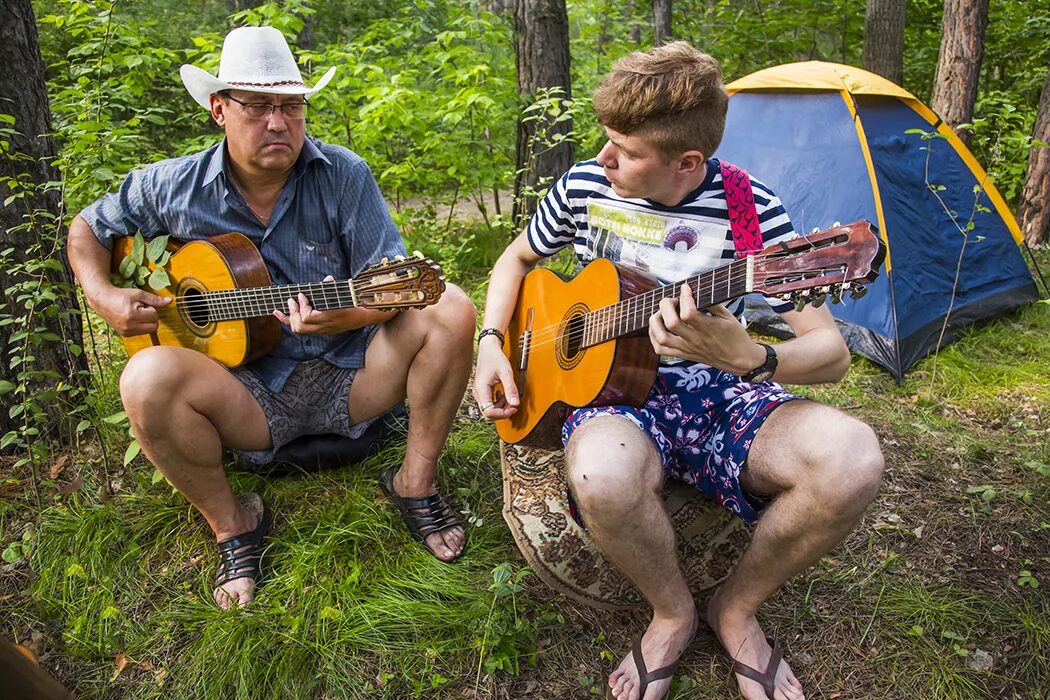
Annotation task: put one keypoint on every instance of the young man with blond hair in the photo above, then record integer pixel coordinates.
(714, 418)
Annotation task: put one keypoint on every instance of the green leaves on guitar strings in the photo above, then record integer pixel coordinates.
(144, 265)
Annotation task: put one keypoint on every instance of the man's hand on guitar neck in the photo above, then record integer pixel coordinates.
(304, 319)
(129, 311)
(492, 370)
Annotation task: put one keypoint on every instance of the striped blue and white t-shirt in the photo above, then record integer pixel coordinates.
(670, 243)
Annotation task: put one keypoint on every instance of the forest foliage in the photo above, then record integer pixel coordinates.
(425, 91)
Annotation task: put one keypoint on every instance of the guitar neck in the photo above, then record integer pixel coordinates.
(252, 302)
(632, 315)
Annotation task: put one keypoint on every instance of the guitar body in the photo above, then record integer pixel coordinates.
(586, 342)
(559, 376)
(226, 261)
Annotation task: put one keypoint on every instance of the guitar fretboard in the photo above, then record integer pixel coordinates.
(252, 302)
(630, 315)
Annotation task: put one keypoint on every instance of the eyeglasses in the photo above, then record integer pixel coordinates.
(263, 110)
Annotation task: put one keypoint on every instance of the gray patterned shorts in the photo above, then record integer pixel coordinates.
(315, 400)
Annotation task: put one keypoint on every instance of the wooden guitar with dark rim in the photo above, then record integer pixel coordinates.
(585, 342)
(224, 299)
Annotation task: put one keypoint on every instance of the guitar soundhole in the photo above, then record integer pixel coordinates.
(196, 308)
(570, 345)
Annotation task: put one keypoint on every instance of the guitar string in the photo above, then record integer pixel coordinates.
(262, 301)
(233, 301)
(600, 322)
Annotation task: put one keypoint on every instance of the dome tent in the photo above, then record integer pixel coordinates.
(838, 143)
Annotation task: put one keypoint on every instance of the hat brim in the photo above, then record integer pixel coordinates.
(202, 85)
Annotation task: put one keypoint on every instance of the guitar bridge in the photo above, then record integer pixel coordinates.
(524, 343)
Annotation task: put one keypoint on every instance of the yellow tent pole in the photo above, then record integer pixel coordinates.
(848, 99)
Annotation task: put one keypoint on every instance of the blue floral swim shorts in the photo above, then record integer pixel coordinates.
(702, 421)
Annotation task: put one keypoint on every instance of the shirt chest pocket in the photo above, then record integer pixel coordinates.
(314, 260)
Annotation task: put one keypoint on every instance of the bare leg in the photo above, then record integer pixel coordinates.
(824, 468)
(425, 356)
(615, 474)
(183, 407)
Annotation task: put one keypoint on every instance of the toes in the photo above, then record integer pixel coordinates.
(437, 545)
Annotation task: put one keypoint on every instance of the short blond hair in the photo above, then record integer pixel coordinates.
(672, 96)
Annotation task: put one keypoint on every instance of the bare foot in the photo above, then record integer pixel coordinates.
(239, 591)
(447, 544)
(663, 643)
(745, 642)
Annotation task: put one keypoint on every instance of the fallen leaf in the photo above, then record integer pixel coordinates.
(998, 549)
(59, 466)
(72, 487)
(121, 662)
(160, 675)
(918, 532)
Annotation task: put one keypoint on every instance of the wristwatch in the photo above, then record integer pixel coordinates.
(765, 370)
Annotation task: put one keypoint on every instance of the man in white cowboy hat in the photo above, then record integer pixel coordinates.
(313, 210)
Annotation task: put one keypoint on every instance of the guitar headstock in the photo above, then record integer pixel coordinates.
(403, 283)
(805, 270)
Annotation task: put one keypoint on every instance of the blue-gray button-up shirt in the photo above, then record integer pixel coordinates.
(329, 219)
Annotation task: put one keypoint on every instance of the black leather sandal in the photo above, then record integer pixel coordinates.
(423, 516)
(241, 556)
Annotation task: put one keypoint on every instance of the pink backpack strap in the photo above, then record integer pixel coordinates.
(743, 217)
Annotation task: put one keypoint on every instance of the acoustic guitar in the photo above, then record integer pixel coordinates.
(585, 342)
(223, 298)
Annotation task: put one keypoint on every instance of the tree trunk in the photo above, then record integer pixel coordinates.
(661, 21)
(959, 62)
(23, 96)
(238, 5)
(1033, 213)
(541, 29)
(884, 38)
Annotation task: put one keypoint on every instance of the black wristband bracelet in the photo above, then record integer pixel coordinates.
(491, 331)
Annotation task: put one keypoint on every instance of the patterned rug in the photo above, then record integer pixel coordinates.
(563, 555)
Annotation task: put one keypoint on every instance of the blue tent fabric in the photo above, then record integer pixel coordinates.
(806, 146)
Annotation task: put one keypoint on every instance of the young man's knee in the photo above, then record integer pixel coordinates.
(611, 466)
(850, 480)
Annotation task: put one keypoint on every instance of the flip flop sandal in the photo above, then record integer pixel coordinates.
(241, 556)
(768, 679)
(423, 516)
(646, 677)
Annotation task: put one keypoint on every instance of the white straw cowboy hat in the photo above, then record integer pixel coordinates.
(254, 59)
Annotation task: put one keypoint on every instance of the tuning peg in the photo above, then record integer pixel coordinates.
(399, 258)
(818, 301)
(836, 296)
(858, 291)
(384, 261)
(800, 302)
(417, 254)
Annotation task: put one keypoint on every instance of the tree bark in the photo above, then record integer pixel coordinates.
(959, 61)
(661, 21)
(23, 96)
(1033, 213)
(884, 38)
(541, 29)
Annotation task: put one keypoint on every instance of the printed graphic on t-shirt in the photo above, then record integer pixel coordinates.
(670, 247)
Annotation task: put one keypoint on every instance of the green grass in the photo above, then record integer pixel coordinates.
(355, 609)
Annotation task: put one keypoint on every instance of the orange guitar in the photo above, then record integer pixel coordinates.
(585, 342)
(224, 301)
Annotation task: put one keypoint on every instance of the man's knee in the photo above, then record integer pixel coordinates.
(152, 377)
(456, 313)
(611, 467)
